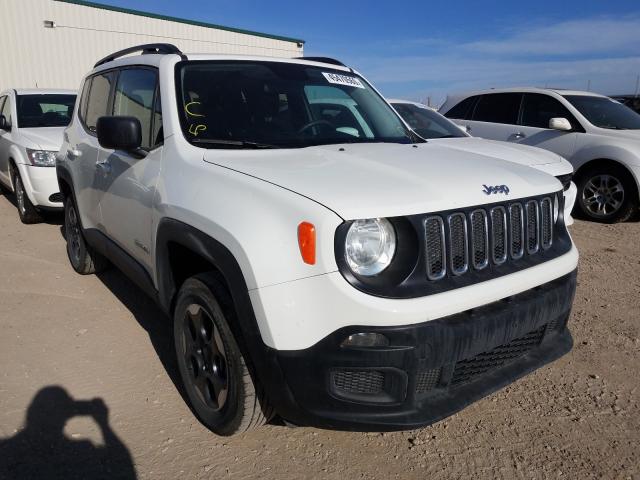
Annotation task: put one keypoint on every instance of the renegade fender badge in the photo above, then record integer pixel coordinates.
(489, 189)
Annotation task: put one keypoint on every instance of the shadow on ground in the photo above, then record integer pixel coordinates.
(157, 325)
(42, 450)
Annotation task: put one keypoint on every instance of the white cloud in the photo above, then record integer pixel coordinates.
(602, 51)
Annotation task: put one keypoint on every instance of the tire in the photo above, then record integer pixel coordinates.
(214, 372)
(84, 259)
(607, 194)
(27, 212)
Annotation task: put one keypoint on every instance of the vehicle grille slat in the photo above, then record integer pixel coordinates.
(435, 248)
(458, 242)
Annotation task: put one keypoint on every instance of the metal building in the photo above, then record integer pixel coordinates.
(53, 43)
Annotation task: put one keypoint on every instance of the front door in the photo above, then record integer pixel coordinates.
(537, 110)
(6, 139)
(129, 181)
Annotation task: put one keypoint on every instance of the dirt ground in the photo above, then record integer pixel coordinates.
(66, 339)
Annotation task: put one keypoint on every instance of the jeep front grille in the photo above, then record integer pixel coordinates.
(459, 242)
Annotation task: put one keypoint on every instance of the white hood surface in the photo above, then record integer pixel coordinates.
(385, 180)
(44, 138)
(513, 152)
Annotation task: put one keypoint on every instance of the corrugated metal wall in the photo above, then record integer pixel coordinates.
(32, 55)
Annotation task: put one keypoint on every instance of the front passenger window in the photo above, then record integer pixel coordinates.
(538, 109)
(134, 97)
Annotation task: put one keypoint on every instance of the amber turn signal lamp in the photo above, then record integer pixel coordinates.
(307, 242)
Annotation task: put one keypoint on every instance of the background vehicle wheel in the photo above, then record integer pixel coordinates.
(607, 194)
(27, 212)
(84, 259)
(213, 370)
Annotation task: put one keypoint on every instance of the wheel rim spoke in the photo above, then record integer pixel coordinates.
(204, 352)
(603, 195)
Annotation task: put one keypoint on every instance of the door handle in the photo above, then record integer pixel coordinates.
(74, 153)
(104, 165)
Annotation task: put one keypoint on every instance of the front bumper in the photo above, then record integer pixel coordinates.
(41, 186)
(570, 195)
(429, 370)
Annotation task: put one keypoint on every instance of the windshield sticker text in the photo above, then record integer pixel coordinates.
(343, 80)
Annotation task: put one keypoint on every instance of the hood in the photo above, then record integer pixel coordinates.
(512, 152)
(386, 180)
(626, 134)
(45, 138)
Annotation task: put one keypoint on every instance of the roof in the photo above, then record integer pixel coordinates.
(179, 20)
(558, 91)
(42, 91)
(409, 102)
(156, 59)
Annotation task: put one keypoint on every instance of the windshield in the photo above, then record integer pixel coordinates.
(427, 123)
(46, 110)
(605, 113)
(231, 104)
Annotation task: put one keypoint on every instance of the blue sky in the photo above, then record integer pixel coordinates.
(419, 49)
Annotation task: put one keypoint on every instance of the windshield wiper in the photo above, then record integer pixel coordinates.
(221, 143)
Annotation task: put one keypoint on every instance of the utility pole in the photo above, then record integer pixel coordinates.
(589, 85)
(637, 86)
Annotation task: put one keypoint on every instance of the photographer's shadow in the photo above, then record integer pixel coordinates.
(42, 450)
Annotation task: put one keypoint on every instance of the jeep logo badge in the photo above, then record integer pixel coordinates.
(489, 189)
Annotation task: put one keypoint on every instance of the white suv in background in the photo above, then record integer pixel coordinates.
(31, 127)
(327, 266)
(598, 135)
(434, 127)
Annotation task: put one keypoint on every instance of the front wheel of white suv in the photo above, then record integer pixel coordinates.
(27, 212)
(606, 194)
(214, 372)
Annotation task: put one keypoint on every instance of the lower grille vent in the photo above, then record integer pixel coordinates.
(359, 381)
(467, 370)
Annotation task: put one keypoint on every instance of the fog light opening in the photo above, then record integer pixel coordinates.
(365, 339)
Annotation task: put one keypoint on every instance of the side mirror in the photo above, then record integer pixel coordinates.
(120, 133)
(561, 124)
(4, 123)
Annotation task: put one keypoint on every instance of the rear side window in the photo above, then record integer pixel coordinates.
(134, 97)
(98, 103)
(463, 109)
(538, 109)
(498, 108)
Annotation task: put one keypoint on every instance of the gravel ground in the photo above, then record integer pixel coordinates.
(88, 383)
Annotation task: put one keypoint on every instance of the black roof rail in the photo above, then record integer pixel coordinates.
(161, 48)
(330, 60)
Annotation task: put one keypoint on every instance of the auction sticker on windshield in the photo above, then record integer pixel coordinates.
(343, 80)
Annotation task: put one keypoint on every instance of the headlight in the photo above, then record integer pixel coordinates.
(370, 246)
(556, 208)
(42, 158)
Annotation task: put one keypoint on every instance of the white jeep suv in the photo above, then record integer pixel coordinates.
(31, 127)
(434, 127)
(598, 135)
(339, 274)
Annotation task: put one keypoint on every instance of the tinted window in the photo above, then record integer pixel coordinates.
(427, 123)
(134, 97)
(463, 109)
(157, 135)
(604, 112)
(280, 105)
(538, 109)
(6, 109)
(498, 108)
(46, 110)
(82, 106)
(98, 102)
